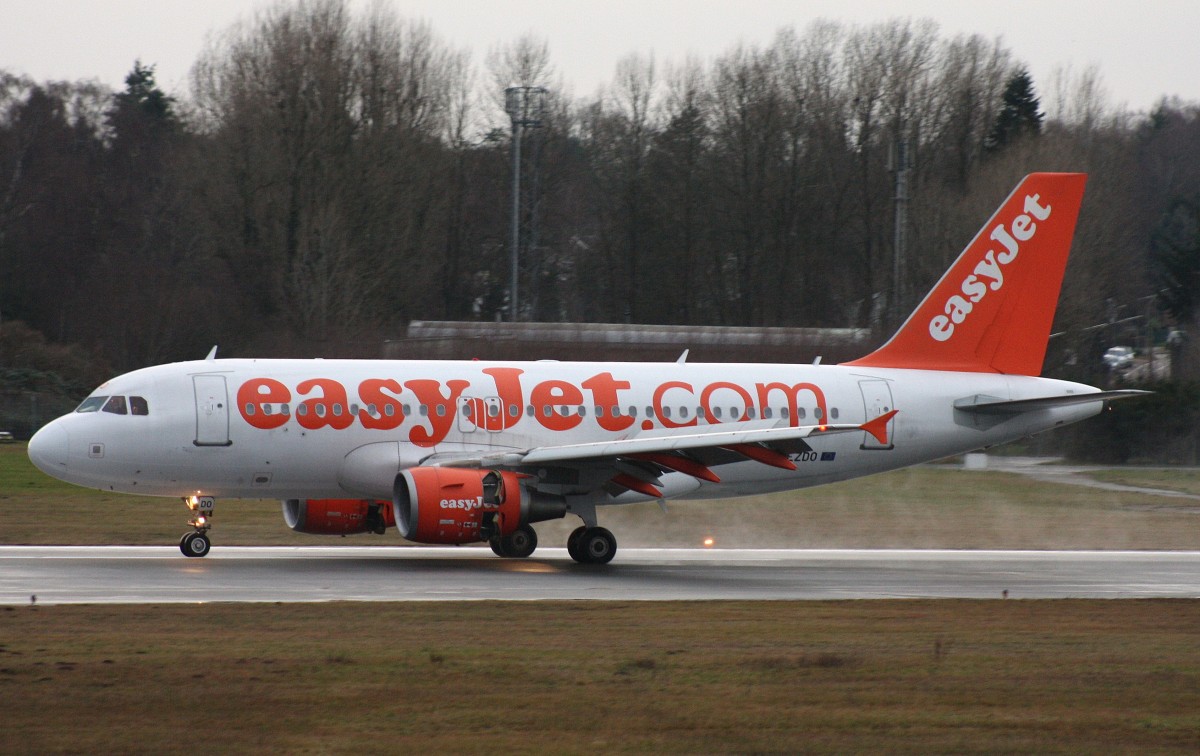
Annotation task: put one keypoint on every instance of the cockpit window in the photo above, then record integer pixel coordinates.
(116, 405)
(92, 404)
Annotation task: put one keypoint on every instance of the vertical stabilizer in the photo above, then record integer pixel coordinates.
(993, 310)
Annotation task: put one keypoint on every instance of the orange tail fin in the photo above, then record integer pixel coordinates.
(993, 309)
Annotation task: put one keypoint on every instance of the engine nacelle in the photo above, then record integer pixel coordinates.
(453, 505)
(337, 516)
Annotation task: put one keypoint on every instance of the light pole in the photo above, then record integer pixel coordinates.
(524, 106)
(900, 164)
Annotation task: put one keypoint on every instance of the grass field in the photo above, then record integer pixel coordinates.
(589, 677)
(1184, 481)
(935, 506)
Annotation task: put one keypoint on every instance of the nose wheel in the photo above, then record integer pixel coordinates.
(196, 543)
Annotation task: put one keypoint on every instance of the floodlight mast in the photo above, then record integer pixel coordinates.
(524, 106)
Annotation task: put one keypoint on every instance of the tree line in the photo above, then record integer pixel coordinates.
(331, 175)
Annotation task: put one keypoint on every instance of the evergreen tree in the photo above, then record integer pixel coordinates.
(1175, 254)
(1020, 115)
(143, 112)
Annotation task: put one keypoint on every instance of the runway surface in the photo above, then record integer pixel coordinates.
(122, 574)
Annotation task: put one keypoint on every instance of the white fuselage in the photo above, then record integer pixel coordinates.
(342, 428)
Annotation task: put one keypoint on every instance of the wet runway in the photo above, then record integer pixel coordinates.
(116, 574)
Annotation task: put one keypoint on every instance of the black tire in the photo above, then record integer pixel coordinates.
(596, 546)
(573, 543)
(195, 545)
(498, 548)
(520, 543)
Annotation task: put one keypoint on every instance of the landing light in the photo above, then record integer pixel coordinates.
(708, 543)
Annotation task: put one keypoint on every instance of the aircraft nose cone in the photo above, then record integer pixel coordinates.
(48, 450)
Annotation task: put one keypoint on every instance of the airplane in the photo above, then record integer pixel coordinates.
(462, 452)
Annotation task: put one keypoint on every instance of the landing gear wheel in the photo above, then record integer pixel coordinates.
(195, 545)
(520, 543)
(594, 546)
(573, 543)
(498, 547)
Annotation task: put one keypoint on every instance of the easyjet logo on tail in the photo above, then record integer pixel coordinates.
(988, 274)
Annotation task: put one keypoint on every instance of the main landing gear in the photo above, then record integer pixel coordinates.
(591, 545)
(196, 543)
(518, 544)
(588, 544)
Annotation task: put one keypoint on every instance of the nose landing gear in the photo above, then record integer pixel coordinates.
(196, 543)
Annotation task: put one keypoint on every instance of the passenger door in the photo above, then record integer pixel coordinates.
(212, 410)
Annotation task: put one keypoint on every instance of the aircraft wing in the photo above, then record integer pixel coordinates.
(639, 461)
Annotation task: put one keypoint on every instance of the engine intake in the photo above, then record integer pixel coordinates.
(453, 505)
(337, 516)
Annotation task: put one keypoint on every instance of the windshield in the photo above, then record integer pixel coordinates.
(92, 404)
(116, 405)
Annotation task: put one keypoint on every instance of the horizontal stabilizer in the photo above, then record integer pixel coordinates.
(990, 405)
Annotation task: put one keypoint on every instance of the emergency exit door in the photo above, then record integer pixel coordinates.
(877, 399)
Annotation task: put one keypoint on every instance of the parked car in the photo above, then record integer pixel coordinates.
(1118, 357)
(6, 437)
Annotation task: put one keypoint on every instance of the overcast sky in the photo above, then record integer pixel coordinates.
(1144, 50)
